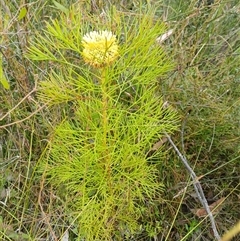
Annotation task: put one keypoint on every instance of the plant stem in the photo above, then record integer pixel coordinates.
(106, 158)
(105, 153)
(105, 105)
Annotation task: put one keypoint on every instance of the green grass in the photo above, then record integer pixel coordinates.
(203, 88)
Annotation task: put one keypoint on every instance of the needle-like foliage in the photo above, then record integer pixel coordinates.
(113, 116)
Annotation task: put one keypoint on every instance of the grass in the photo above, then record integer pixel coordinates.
(204, 89)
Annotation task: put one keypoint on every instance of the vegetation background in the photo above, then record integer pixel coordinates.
(204, 88)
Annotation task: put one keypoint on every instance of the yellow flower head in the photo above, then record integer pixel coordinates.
(100, 48)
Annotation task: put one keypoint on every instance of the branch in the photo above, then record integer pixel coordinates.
(197, 187)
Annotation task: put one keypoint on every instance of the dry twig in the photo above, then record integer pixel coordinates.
(197, 187)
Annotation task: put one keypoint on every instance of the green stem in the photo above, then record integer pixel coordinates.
(107, 159)
(106, 156)
(105, 105)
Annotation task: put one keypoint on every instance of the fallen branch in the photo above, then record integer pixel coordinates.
(197, 187)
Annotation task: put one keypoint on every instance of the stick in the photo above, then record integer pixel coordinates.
(197, 187)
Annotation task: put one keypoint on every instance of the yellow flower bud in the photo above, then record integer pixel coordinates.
(100, 48)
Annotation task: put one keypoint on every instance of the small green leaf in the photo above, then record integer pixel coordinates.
(3, 79)
(4, 82)
(61, 7)
(22, 13)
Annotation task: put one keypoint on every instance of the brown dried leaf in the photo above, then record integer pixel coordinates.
(158, 144)
(214, 208)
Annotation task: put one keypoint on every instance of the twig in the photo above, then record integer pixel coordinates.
(25, 97)
(45, 217)
(26, 118)
(197, 187)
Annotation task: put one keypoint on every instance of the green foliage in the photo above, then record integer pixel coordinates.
(113, 116)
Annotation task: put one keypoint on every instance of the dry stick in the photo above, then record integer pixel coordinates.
(26, 118)
(25, 97)
(41, 207)
(197, 187)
